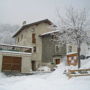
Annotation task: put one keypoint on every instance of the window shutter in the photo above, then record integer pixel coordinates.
(33, 38)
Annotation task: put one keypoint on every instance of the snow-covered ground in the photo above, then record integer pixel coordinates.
(50, 81)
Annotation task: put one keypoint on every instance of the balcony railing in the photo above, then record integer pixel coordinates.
(15, 48)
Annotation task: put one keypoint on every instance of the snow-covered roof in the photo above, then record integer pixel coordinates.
(49, 32)
(14, 45)
(71, 53)
(15, 52)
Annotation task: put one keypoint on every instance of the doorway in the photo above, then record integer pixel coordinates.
(57, 61)
(33, 65)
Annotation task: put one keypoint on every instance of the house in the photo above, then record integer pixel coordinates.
(14, 58)
(29, 35)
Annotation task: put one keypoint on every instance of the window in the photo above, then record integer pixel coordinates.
(34, 49)
(29, 50)
(52, 36)
(70, 49)
(33, 38)
(75, 57)
(72, 57)
(21, 36)
(56, 48)
(18, 39)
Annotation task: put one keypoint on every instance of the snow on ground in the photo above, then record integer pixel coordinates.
(56, 80)
(44, 69)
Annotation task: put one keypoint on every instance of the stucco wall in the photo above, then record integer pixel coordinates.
(1, 63)
(74, 47)
(26, 64)
(84, 48)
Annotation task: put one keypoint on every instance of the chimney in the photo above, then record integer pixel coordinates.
(24, 23)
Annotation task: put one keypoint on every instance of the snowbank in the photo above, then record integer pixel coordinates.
(2, 75)
(58, 73)
(86, 64)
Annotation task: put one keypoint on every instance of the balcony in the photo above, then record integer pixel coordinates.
(15, 48)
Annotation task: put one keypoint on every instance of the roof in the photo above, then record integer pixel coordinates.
(48, 33)
(14, 46)
(71, 53)
(31, 24)
(15, 52)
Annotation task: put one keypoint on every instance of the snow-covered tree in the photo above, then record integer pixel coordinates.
(72, 29)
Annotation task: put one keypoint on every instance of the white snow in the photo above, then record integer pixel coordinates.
(9, 45)
(15, 52)
(56, 80)
(71, 53)
(50, 32)
(44, 69)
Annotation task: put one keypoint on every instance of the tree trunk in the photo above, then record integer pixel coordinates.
(79, 62)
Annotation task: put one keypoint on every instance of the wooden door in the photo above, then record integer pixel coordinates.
(57, 61)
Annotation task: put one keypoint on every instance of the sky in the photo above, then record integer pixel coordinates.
(17, 11)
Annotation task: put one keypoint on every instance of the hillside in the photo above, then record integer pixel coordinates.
(7, 31)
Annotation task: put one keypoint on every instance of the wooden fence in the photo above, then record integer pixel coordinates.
(78, 72)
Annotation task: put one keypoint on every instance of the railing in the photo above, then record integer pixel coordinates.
(15, 48)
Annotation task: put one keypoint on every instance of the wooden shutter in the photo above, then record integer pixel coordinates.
(33, 38)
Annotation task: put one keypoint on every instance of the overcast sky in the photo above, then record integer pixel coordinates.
(16, 11)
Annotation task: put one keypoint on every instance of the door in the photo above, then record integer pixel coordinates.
(11, 64)
(57, 61)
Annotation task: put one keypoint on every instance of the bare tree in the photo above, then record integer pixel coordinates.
(72, 29)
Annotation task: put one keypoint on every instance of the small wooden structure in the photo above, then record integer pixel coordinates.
(72, 59)
(78, 72)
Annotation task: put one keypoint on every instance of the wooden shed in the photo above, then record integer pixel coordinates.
(72, 58)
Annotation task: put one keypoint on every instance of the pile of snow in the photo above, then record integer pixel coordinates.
(86, 65)
(59, 72)
(44, 69)
(2, 75)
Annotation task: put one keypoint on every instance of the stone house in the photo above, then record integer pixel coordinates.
(28, 35)
(31, 35)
